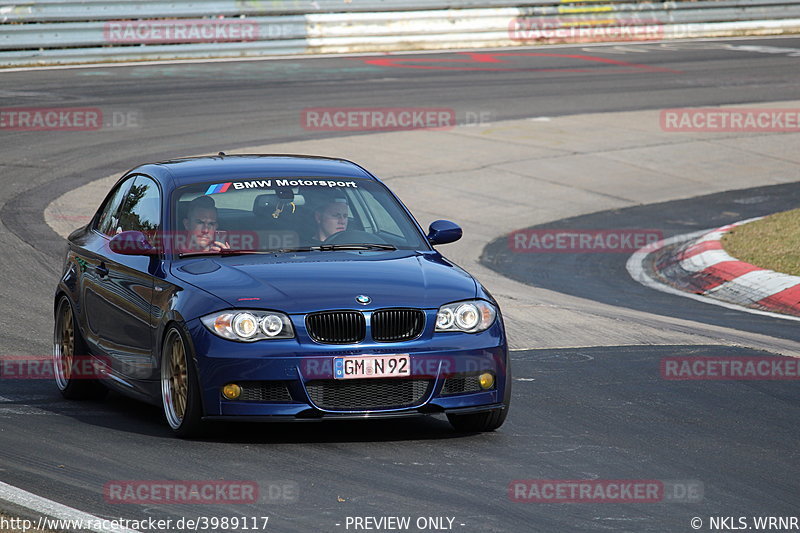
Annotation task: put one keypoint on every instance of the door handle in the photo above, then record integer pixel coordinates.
(101, 270)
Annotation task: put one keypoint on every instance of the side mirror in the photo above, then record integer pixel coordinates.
(443, 232)
(131, 243)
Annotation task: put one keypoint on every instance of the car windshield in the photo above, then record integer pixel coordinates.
(290, 214)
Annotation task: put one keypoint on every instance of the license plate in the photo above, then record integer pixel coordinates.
(371, 366)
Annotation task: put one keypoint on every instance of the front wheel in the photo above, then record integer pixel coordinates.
(70, 354)
(180, 391)
(478, 422)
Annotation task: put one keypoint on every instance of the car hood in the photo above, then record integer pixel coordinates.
(314, 281)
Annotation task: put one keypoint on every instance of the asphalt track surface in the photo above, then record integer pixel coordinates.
(582, 413)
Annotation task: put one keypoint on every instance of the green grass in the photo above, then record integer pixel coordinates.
(772, 242)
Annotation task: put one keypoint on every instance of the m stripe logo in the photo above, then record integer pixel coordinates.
(220, 187)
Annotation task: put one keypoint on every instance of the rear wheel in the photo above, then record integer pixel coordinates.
(476, 422)
(180, 391)
(69, 351)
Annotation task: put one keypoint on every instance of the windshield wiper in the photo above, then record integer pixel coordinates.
(291, 250)
(364, 246)
(321, 247)
(331, 247)
(224, 251)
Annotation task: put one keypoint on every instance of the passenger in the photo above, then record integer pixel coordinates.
(201, 226)
(331, 217)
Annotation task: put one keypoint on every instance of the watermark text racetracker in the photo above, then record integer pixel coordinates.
(190, 31)
(183, 241)
(730, 120)
(577, 30)
(164, 492)
(390, 118)
(581, 240)
(765, 368)
(44, 367)
(68, 119)
(324, 367)
(605, 491)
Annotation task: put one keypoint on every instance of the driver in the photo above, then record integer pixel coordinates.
(201, 226)
(331, 217)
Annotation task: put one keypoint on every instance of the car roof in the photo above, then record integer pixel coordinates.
(185, 171)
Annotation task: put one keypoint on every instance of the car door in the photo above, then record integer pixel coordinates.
(89, 250)
(119, 295)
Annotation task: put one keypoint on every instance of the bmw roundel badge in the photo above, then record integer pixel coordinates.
(363, 299)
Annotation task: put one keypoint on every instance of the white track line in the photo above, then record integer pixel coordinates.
(637, 272)
(55, 510)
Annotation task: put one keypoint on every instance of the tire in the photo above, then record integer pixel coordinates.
(479, 422)
(67, 344)
(180, 389)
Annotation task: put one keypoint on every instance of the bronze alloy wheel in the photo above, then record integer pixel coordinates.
(63, 345)
(174, 379)
(68, 348)
(180, 388)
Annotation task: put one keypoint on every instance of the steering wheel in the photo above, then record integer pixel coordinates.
(354, 237)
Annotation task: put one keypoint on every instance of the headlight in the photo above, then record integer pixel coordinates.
(245, 325)
(445, 319)
(271, 325)
(250, 325)
(471, 316)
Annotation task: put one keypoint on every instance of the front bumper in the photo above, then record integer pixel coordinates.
(299, 366)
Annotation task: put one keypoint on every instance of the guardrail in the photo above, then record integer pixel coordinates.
(71, 31)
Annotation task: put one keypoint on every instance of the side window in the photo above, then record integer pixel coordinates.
(142, 208)
(109, 217)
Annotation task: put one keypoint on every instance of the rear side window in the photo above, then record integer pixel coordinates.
(108, 221)
(141, 210)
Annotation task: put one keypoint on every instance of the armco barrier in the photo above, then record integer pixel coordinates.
(89, 10)
(72, 31)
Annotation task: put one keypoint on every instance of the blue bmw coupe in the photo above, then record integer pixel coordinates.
(275, 287)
